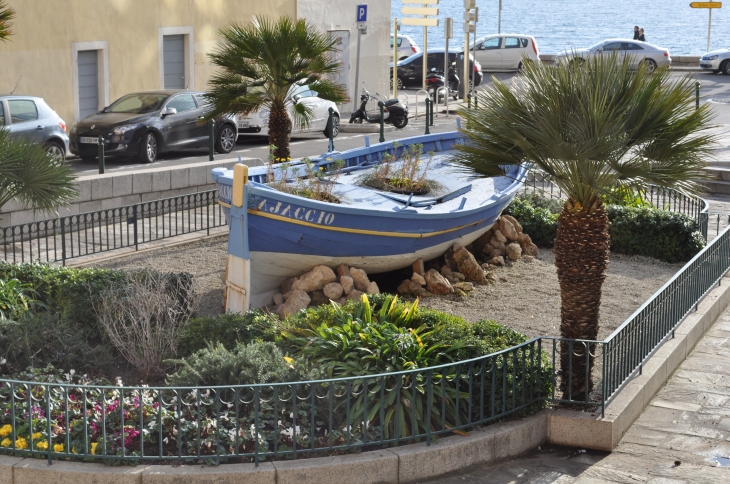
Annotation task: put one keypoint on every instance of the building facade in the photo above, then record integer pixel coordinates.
(81, 55)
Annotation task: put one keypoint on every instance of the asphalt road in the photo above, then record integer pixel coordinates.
(715, 89)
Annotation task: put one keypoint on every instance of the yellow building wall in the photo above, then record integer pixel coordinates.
(44, 30)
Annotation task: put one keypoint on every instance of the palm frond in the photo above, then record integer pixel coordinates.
(6, 15)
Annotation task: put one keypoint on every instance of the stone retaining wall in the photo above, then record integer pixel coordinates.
(120, 188)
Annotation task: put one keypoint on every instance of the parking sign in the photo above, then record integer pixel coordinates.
(362, 13)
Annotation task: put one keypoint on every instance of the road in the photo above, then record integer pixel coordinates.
(715, 89)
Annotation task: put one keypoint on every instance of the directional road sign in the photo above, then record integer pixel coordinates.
(421, 22)
(706, 4)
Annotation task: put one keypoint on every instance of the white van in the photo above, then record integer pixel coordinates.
(505, 51)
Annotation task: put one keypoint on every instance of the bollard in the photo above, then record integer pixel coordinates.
(468, 101)
(382, 121)
(211, 141)
(428, 113)
(101, 155)
(432, 109)
(697, 94)
(330, 129)
(476, 101)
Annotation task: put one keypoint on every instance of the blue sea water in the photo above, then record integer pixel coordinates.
(564, 24)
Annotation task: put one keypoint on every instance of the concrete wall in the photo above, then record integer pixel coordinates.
(375, 54)
(46, 32)
(120, 188)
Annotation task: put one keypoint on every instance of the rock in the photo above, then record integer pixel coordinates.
(347, 284)
(361, 279)
(486, 266)
(464, 286)
(422, 292)
(418, 267)
(315, 279)
(409, 286)
(530, 250)
(445, 271)
(459, 292)
(527, 246)
(496, 253)
(278, 299)
(468, 267)
(479, 244)
(506, 227)
(499, 236)
(355, 295)
(451, 279)
(286, 285)
(343, 300)
(343, 270)
(514, 251)
(528, 258)
(514, 222)
(497, 261)
(437, 284)
(458, 275)
(418, 279)
(489, 276)
(318, 298)
(373, 288)
(333, 290)
(449, 259)
(456, 247)
(497, 244)
(297, 301)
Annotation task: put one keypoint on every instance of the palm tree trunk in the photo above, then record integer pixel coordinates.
(581, 258)
(280, 132)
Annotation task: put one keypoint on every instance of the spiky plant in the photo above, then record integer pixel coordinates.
(6, 15)
(260, 64)
(591, 128)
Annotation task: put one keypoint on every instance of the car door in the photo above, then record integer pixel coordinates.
(25, 120)
(303, 95)
(636, 54)
(183, 128)
(511, 53)
(412, 70)
(489, 53)
(615, 48)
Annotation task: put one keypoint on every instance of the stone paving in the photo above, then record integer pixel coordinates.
(683, 436)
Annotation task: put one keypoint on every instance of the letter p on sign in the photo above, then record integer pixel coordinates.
(362, 13)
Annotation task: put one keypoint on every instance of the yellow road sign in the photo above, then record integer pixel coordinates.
(419, 11)
(421, 22)
(706, 4)
(421, 2)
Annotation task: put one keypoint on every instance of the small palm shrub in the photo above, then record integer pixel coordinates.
(16, 298)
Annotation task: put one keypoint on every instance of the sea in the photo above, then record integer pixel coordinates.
(560, 25)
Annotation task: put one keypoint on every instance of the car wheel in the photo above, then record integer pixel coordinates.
(56, 151)
(398, 82)
(522, 65)
(649, 65)
(400, 122)
(148, 148)
(226, 140)
(725, 67)
(335, 126)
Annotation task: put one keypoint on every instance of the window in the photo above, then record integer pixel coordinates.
(435, 60)
(2, 114)
(612, 47)
(511, 43)
(400, 41)
(182, 103)
(491, 44)
(635, 47)
(137, 103)
(22, 110)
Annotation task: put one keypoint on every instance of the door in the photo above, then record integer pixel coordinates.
(173, 52)
(636, 53)
(512, 53)
(182, 128)
(614, 48)
(489, 53)
(25, 119)
(413, 70)
(88, 69)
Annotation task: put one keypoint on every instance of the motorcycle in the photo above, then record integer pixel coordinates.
(436, 80)
(394, 112)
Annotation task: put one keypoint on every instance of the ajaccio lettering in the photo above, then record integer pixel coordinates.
(299, 213)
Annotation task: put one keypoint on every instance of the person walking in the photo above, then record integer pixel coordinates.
(636, 32)
(641, 36)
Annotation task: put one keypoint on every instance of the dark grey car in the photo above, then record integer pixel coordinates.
(31, 118)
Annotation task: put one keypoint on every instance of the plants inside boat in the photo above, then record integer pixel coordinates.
(307, 179)
(402, 173)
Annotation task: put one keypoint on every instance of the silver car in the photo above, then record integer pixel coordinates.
(31, 118)
(638, 52)
(717, 61)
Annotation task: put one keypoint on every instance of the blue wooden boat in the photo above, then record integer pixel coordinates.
(275, 235)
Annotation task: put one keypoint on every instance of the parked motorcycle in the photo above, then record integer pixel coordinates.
(436, 80)
(394, 112)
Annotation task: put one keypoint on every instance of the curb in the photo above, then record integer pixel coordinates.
(583, 429)
(396, 465)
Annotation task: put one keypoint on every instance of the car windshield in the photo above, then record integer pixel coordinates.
(137, 103)
(595, 46)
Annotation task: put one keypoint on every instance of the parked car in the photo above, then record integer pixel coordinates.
(505, 51)
(257, 123)
(410, 69)
(32, 118)
(638, 52)
(406, 46)
(145, 124)
(717, 61)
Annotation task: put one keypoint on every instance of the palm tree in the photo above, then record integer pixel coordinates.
(591, 129)
(261, 62)
(6, 15)
(29, 174)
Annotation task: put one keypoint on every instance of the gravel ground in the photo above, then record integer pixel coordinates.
(526, 296)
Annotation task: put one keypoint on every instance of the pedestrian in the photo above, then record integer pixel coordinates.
(636, 32)
(641, 36)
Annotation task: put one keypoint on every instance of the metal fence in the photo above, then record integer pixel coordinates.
(64, 238)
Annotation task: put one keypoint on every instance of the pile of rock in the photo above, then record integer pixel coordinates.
(320, 286)
(505, 241)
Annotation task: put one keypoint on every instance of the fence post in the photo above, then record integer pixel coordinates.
(101, 155)
(211, 141)
(697, 94)
(468, 101)
(432, 108)
(382, 122)
(428, 113)
(63, 241)
(134, 221)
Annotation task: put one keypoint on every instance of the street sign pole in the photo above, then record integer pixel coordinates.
(499, 18)
(474, 49)
(425, 56)
(424, 22)
(362, 17)
(709, 6)
(448, 34)
(469, 16)
(709, 30)
(395, 58)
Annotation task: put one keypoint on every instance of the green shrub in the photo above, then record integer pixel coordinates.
(16, 298)
(228, 330)
(538, 222)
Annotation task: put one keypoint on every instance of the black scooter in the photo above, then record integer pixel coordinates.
(394, 112)
(435, 80)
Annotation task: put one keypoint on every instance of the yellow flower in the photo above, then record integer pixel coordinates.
(57, 447)
(5, 443)
(5, 430)
(42, 445)
(289, 360)
(73, 450)
(21, 443)
(37, 435)
(93, 447)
